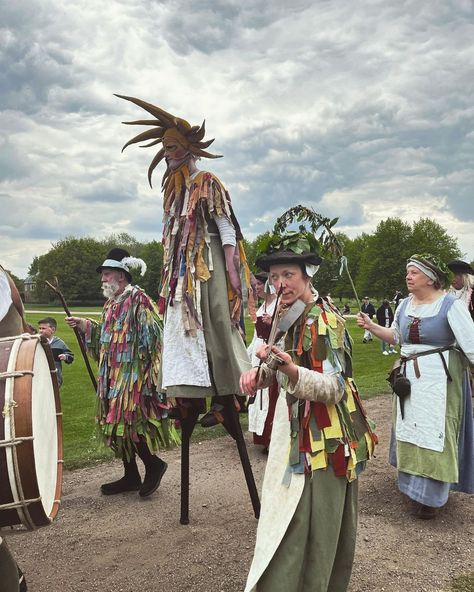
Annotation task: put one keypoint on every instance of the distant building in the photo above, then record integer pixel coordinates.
(30, 289)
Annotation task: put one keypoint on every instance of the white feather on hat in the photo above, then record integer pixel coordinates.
(134, 262)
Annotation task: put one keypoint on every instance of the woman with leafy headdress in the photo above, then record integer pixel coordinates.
(433, 444)
(321, 437)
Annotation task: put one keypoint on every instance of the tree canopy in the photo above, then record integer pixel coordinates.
(377, 261)
(73, 261)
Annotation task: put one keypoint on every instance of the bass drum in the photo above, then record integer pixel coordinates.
(30, 434)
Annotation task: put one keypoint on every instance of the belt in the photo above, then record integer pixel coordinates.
(437, 350)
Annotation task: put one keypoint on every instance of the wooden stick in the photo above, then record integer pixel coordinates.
(57, 291)
(274, 326)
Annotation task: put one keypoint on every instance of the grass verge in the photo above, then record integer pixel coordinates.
(81, 445)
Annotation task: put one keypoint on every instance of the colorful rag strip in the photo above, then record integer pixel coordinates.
(189, 205)
(126, 345)
(339, 435)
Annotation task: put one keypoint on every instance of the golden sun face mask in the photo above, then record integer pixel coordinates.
(170, 131)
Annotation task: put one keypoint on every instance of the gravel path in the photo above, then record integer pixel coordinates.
(125, 544)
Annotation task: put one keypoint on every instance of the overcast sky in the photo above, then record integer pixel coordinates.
(362, 110)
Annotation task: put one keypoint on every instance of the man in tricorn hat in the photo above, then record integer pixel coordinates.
(126, 343)
(463, 283)
(321, 437)
(203, 268)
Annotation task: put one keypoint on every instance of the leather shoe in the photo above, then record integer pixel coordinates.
(153, 477)
(123, 484)
(213, 416)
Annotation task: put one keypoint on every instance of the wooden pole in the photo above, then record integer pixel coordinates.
(57, 291)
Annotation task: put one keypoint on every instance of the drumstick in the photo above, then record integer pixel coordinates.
(76, 331)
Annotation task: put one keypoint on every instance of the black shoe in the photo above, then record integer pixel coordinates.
(123, 484)
(213, 416)
(153, 477)
(174, 413)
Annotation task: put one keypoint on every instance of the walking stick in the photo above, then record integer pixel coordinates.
(57, 291)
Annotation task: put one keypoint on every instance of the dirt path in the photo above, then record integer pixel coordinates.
(125, 544)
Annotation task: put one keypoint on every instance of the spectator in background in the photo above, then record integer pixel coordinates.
(463, 283)
(261, 410)
(396, 299)
(347, 309)
(368, 309)
(385, 319)
(61, 353)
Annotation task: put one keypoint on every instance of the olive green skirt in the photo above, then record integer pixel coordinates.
(226, 352)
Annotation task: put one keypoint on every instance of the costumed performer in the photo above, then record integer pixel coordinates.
(126, 344)
(12, 323)
(320, 442)
(262, 409)
(433, 444)
(204, 267)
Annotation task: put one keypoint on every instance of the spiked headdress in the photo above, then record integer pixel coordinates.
(167, 125)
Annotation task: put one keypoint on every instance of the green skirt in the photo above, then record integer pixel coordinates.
(226, 352)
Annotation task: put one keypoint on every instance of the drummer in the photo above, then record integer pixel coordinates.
(12, 322)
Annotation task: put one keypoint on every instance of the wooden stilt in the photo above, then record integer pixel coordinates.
(187, 428)
(232, 425)
(234, 429)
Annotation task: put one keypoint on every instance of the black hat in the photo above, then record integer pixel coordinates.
(261, 276)
(292, 247)
(458, 266)
(282, 257)
(120, 259)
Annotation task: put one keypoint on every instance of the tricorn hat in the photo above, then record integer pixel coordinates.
(120, 259)
(458, 266)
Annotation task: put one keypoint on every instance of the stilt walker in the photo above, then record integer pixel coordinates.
(204, 276)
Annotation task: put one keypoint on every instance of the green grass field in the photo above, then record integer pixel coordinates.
(82, 447)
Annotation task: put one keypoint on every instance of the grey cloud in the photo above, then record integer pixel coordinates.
(214, 25)
(104, 193)
(14, 164)
(360, 114)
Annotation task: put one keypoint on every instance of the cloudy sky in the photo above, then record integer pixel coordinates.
(363, 110)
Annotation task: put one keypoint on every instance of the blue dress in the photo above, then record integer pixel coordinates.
(428, 469)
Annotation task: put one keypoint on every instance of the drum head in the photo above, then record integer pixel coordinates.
(45, 432)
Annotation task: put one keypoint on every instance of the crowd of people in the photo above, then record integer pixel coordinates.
(158, 362)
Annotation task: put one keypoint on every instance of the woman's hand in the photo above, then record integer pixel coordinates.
(248, 382)
(363, 320)
(262, 351)
(266, 318)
